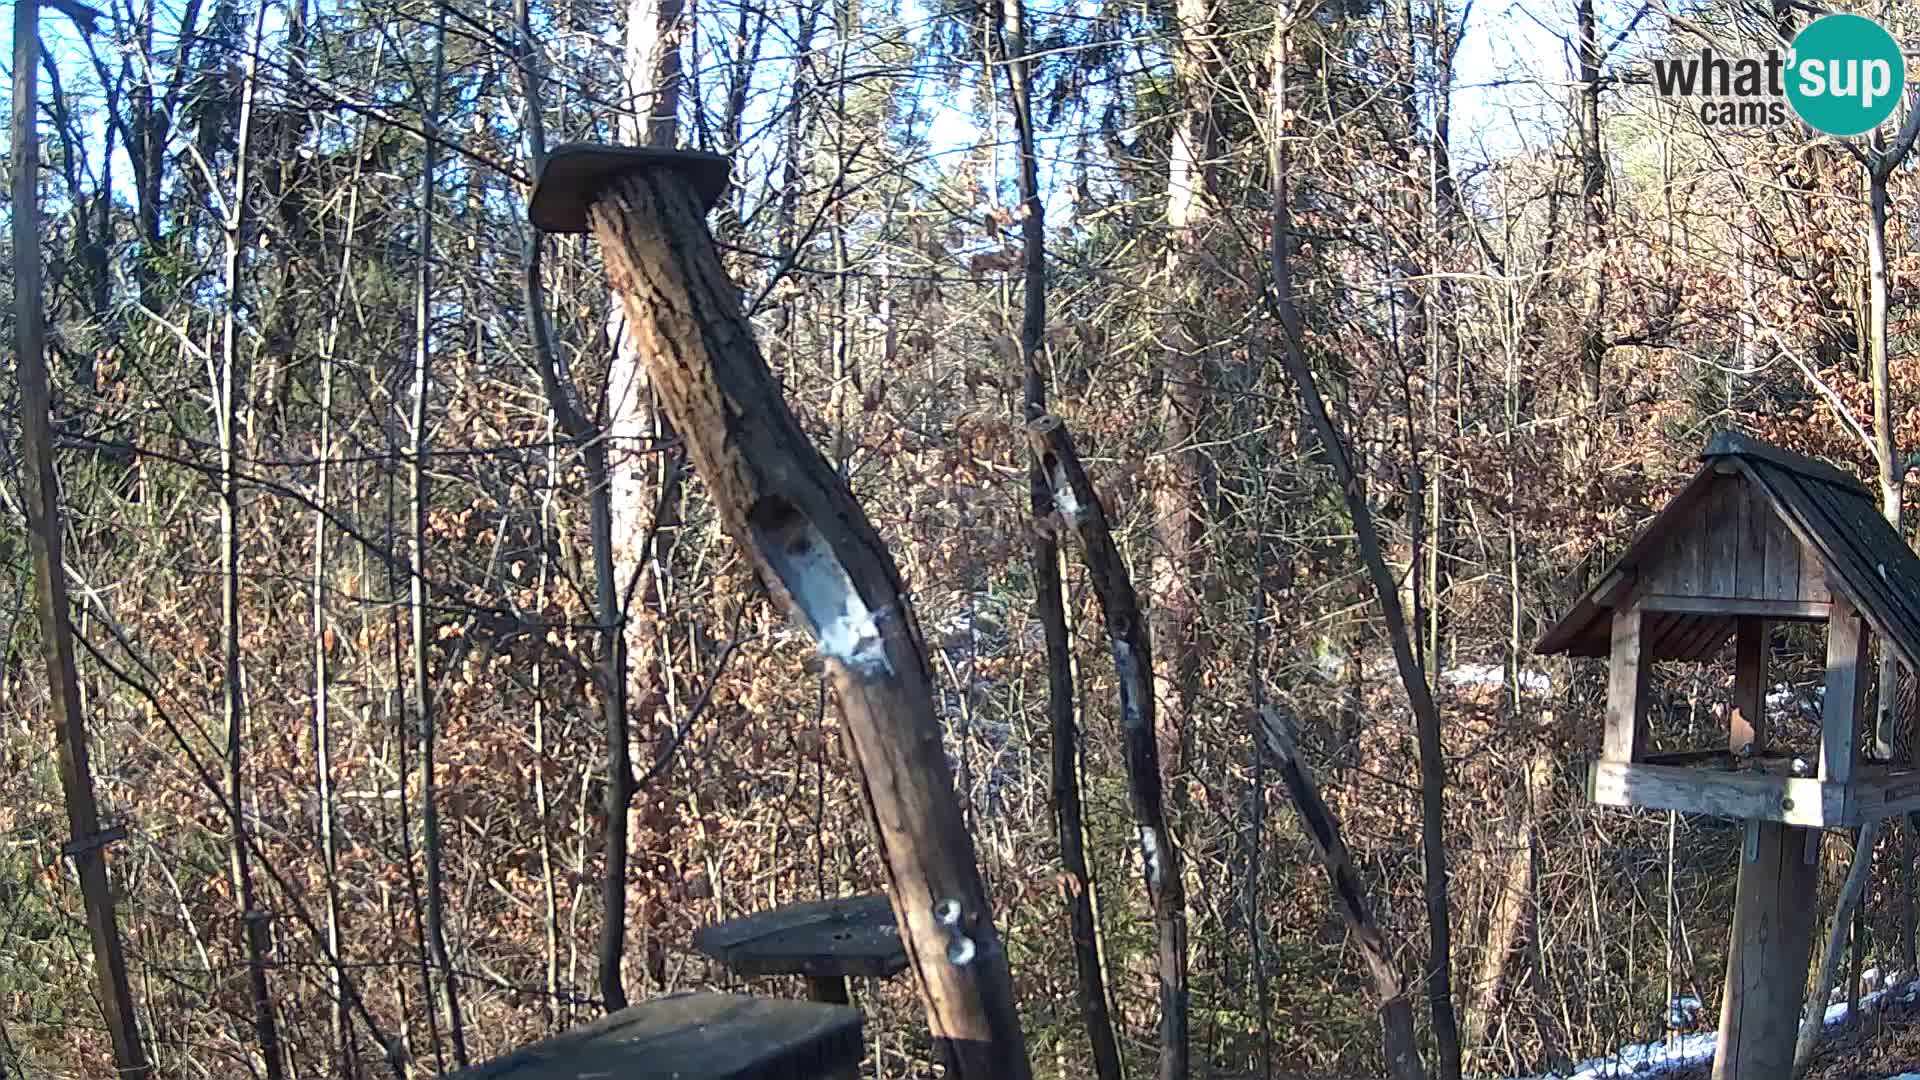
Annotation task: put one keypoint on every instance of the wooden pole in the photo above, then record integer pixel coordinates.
(797, 521)
(1767, 958)
(87, 844)
(1773, 909)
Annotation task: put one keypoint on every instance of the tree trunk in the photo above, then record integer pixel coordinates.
(1179, 515)
(1350, 898)
(1813, 1024)
(1513, 896)
(797, 521)
(643, 507)
(1079, 510)
(1049, 596)
(418, 593)
(86, 845)
(253, 917)
(1885, 454)
(1593, 215)
(1426, 714)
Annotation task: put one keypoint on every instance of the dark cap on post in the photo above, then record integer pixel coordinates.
(574, 174)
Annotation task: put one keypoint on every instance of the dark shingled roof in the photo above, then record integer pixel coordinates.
(1829, 511)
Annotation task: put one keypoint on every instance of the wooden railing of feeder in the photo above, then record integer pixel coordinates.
(1758, 536)
(797, 521)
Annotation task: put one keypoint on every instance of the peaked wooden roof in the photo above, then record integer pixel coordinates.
(1827, 510)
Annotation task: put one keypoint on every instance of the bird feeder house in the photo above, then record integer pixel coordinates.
(1758, 536)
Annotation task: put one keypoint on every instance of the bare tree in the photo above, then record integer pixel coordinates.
(1413, 678)
(86, 844)
(418, 588)
(253, 916)
(1044, 558)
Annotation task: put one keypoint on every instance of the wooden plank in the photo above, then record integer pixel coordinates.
(1887, 795)
(1720, 542)
(1663, 635)
(1804, 610)
(853, 935)
(1708, 634)
(1681, 565)
(1814, 588)
(1795, 800)
(1748, 716)
(1627, 669)
(1783, 555)
(1767, 956)
(1840, 712)
(1615, 588)
(695, 1037)
(1756, 518)
(1719, 759)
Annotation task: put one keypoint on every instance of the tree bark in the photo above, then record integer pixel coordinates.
(1079, 510)
(417, 587)
(643, 507)
(1813, 1023)
(1179, 513)
(1350, 898)
(253, 917)
(1426, 714)
(1044, 560)
(1514, 895)
(797, 521)
(86, 845)
(1593, 215)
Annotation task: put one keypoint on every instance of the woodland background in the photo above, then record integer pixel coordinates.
(1530, 292)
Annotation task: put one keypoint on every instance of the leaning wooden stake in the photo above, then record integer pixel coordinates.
(1350, 896)
(87, 846)
(1079, 510)
(797, 521)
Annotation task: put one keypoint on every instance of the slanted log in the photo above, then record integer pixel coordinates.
(1079, 511)
(1349, 898)
(797, 521)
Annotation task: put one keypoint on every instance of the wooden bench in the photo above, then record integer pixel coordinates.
(695, 1037)
(825, 940)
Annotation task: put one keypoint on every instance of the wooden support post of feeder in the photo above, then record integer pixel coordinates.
(797, 521)
(1772, 935)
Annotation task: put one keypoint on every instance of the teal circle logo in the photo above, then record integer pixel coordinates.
(1845, 74)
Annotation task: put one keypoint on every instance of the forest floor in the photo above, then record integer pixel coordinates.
(1886, 1046)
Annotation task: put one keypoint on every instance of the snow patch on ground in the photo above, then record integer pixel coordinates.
(1687, 1051)
(1533, 682)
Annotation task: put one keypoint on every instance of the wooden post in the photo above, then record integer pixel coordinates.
(1627, 671)
(797, 521)
(1840, 712)
(1749, 726)
(1767, 958)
